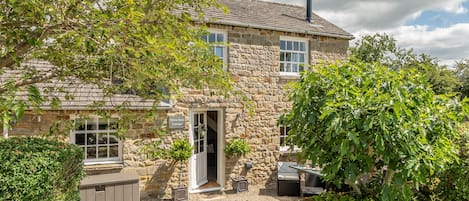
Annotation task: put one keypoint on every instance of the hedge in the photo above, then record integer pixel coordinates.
(39, 169)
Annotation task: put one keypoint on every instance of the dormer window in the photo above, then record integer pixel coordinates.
(293, 55)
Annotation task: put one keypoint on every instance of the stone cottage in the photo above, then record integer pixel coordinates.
(267, 46)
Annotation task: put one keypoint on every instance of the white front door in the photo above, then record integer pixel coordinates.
(199, 140)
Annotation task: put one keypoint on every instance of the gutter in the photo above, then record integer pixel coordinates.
(231, 23)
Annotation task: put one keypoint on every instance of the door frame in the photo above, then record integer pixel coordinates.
(220, 152)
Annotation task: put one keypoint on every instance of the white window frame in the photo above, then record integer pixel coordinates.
(306, 54)
(95, 119)
(223, 44)
(284, 147)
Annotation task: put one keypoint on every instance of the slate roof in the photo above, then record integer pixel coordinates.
(84, 95)
(274, 16)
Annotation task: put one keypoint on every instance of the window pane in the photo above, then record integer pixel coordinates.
(201, 146)
(220, 38)
(302, 58)
(103, 125)
(91, 152)
(113, 151)
(288, 56)
(282, 68)
(289, 45)
(113, 125)
(196, 147)
(288, 68)
(102, 152)
(202, 118)
(196, 120)
(296, 46)
(196, 134)
(282, 56)
(113, 139)
(219, 52)
(102, 139)
(282, 45)
(80, 125)
(80, 139)
(91, 139)
(302, 68)
(211, 38)
(295, 57)
(91, 125)
(302, 46)
(294, 68)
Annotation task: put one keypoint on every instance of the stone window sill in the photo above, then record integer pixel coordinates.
(288, 76)
(100, 167)
(289, 151)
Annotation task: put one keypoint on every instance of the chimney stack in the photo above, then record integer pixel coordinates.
(309, 10)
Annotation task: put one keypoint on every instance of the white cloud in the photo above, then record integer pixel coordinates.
(360, 17)
(376, 15)
(447, 44)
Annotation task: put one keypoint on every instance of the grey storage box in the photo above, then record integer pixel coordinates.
(288, 180)
(110, 187)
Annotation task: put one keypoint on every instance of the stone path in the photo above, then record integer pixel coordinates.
(256, 193)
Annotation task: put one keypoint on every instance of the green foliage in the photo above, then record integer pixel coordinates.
(237, 147)
(376, 48)
(382, 49)
(462, 69)
(332, 196)
(355, 118)
(150, 48)
(453, 183)
(180, 150)
(39, 169)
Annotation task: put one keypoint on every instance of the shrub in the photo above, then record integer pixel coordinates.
(453, 182)
(39, 169)
(237, 147)
(180, 151)
(354, 119)
(333, 196)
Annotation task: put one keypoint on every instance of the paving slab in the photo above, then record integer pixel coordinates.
(255, 193)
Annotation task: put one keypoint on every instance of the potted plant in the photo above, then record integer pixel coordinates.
(180, 151)
(238, 147)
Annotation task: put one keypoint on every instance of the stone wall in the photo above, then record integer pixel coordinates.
(253, 62)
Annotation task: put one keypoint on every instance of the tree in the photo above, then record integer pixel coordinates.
(462, 72)
(382, 49)
(359, 119)
(149, 47)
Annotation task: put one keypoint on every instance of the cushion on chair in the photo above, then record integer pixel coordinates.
(284, 167)
(288, 176)
(287, 173)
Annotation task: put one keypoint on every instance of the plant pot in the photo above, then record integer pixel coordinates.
(180, 193)
(240, 184)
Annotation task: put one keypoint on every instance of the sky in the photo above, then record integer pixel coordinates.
(439, 28)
